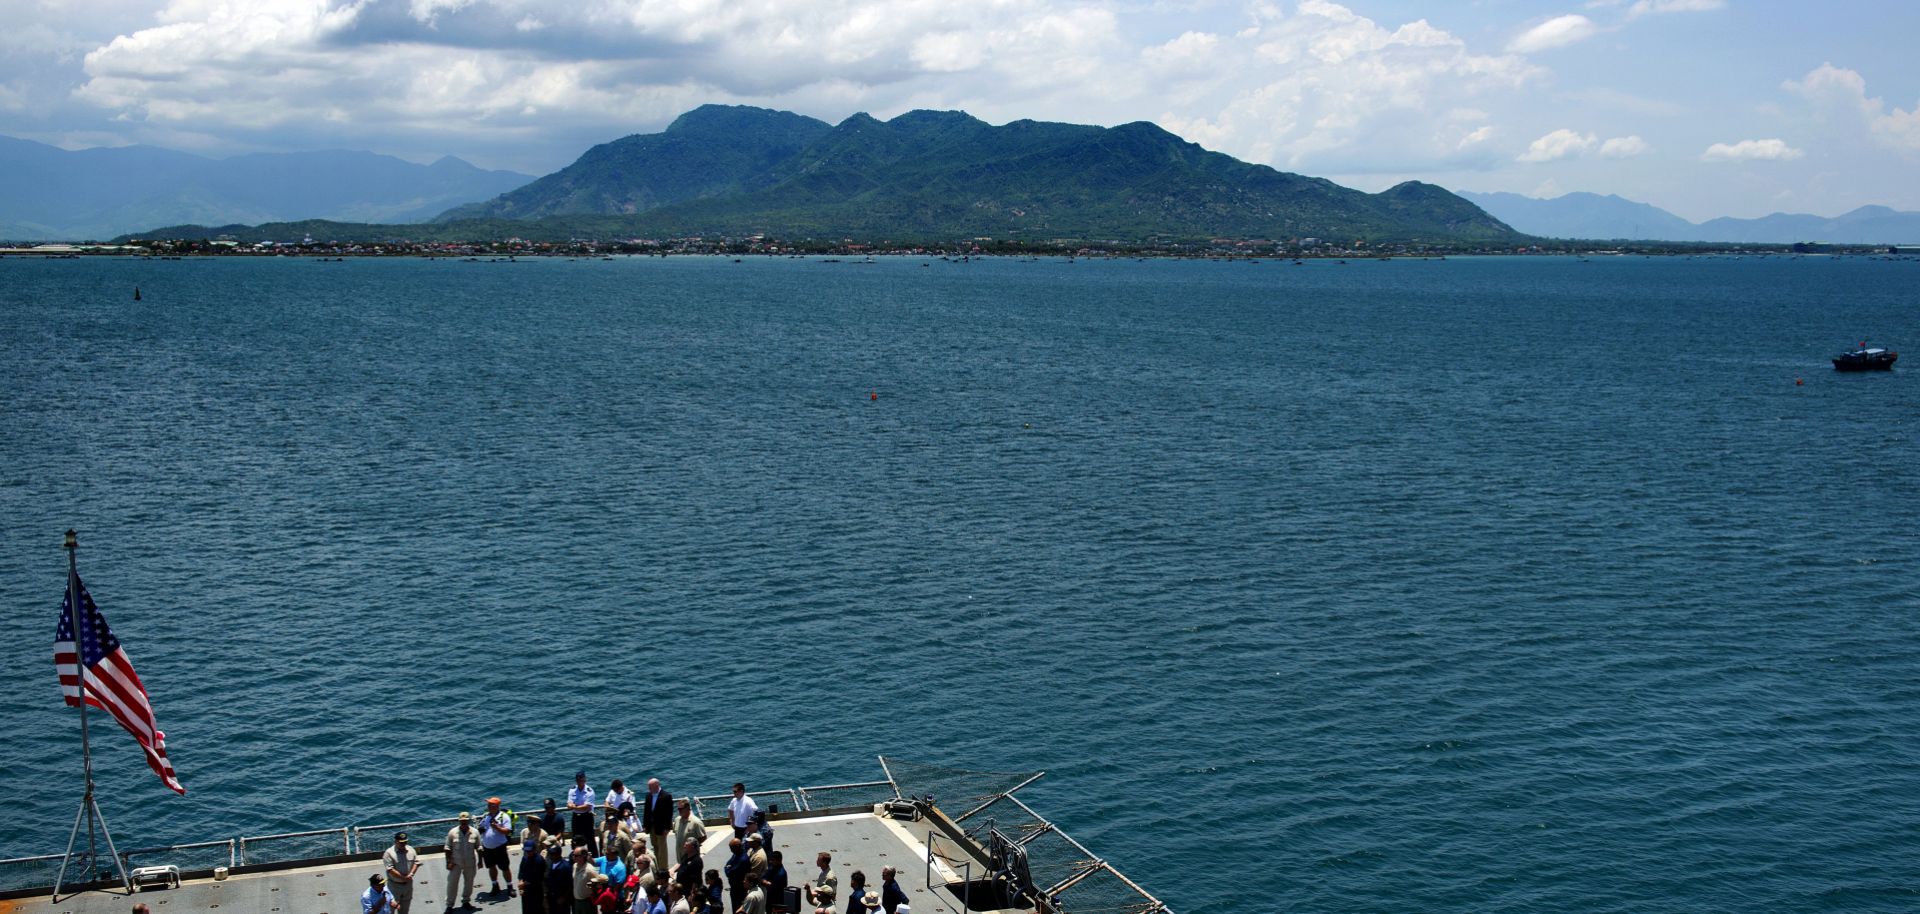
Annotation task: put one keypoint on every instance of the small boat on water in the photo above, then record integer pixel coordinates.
(1866, 358)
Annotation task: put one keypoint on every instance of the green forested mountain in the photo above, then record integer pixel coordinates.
(944, 174)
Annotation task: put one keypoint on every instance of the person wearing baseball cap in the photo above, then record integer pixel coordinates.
(403, 864)
(376, 899)
(496, 832)
(463, 859)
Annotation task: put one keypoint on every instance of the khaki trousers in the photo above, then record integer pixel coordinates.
(458, 874)
(659, 842)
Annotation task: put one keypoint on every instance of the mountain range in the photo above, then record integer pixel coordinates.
(52, 193)
(735, 170)
(1583, 215)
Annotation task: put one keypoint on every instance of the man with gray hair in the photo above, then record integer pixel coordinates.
(656, 819)
(891, 897)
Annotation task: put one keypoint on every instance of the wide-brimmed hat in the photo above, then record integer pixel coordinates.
(466, 817)
(823, 891)
(872, 900)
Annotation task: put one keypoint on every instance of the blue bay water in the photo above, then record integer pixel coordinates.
(1501, 585)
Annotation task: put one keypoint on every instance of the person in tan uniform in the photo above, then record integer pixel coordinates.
(463, 860)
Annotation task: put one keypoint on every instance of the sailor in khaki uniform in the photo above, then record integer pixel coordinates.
(463, 860)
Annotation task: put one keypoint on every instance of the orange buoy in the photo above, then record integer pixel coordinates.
(873, 395)
(1797, 382)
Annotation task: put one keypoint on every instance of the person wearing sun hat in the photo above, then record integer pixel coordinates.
(605, 899)
(821, 897)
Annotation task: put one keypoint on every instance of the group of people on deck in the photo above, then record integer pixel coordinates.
(612, 858)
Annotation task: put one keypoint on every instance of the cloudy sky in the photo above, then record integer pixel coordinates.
(1705, 107)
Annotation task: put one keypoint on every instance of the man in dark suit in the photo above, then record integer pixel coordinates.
(656, 819)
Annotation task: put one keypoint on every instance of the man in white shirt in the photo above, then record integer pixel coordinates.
(617, 796)
(740, 810)
(496, 832)
(580, 802)
(463, 859)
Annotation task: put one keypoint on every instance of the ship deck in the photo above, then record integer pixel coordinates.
(974, 855)
(858, 841)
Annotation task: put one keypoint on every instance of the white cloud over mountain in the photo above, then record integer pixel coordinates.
(1476, 95)
(1624, 147)
(1567, 144)
(1840, 90)
(1315, 86)
(1560, 144)
(1773, 150)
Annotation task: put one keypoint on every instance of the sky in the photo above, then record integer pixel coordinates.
(1703, 107)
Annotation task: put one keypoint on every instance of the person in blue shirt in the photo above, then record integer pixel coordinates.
(736, 868)
(776, 878)
(891, 895)
(550, 821)
(376, 899)
(766, 831)
(614, 869)
(559, 881)
(533, 883)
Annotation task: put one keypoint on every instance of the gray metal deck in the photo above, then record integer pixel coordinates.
(858, 841)
(983, 826)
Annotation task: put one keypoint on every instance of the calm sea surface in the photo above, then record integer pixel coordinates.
(1504, 585)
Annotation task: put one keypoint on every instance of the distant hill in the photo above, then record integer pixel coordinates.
(1583, 215)
(51, 193)
(724, 170)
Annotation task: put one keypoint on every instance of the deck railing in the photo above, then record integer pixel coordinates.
(23, 873)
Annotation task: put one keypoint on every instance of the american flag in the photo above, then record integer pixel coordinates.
(112, 685)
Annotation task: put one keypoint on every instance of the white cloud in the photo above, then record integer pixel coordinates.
(1751, 150)
(1656, 7)
(1320, 89)
(1838, 89)
(1553, 33)
(1476, 136)
(1560, 144)
(1624, 147)
(1327, 89)
(1837, 86)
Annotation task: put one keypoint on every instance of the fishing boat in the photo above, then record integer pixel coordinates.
(1866, 358)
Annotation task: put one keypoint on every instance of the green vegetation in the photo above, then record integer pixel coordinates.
(933, 176)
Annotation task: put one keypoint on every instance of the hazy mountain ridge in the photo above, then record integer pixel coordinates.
(741, 170)
(1594, 216)
(51, 193)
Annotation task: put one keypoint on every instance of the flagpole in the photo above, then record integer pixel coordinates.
(89, 809)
